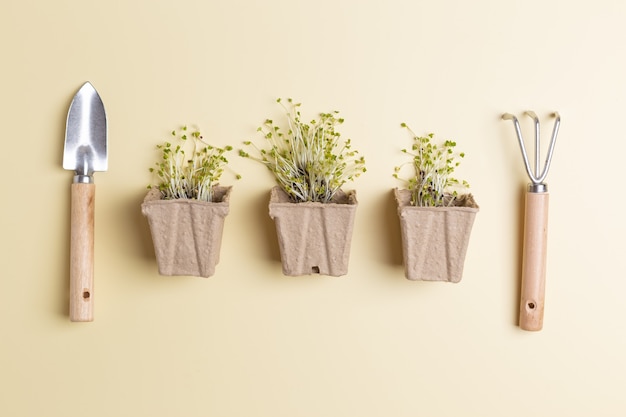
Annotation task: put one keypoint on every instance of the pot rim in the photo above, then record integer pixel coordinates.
(404, 203)
(152, 197)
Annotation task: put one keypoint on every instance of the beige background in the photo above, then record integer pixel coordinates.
(249, 341)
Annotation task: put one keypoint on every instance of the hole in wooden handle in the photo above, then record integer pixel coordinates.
(531, 305)
(86, 295)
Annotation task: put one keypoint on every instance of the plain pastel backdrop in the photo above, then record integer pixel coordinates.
(249, 341)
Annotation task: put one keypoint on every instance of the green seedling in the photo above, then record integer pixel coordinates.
(432, 184)
(190, 167)
(310, 161)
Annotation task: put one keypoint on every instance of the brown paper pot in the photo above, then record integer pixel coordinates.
(187, 234)
(434, 239)
(313, 238)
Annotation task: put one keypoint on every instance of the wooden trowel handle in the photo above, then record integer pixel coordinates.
(534, 261)
(81, 252)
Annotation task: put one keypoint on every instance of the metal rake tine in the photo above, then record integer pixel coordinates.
(509, 116)
(538, 176)
(533, 116)
(555, 131)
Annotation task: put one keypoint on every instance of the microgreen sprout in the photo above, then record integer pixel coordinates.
(309, 161)
(432, 184)
(189, 168)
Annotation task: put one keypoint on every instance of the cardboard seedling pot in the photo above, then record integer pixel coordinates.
(187, 234)
(435, 239)
(313, 238)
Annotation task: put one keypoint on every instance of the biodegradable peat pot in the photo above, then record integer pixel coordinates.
(187, 234)
(314, 238)
(435, 239)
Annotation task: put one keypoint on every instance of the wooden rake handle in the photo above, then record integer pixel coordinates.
(534, 261)
(81, 251)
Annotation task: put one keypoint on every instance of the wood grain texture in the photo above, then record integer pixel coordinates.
(534, 261)
(82, 251)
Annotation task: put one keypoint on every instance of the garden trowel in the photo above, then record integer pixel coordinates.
(85, 152)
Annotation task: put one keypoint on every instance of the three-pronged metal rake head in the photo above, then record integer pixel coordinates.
(535, 227)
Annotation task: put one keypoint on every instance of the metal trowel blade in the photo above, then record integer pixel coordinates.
(86, 133)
